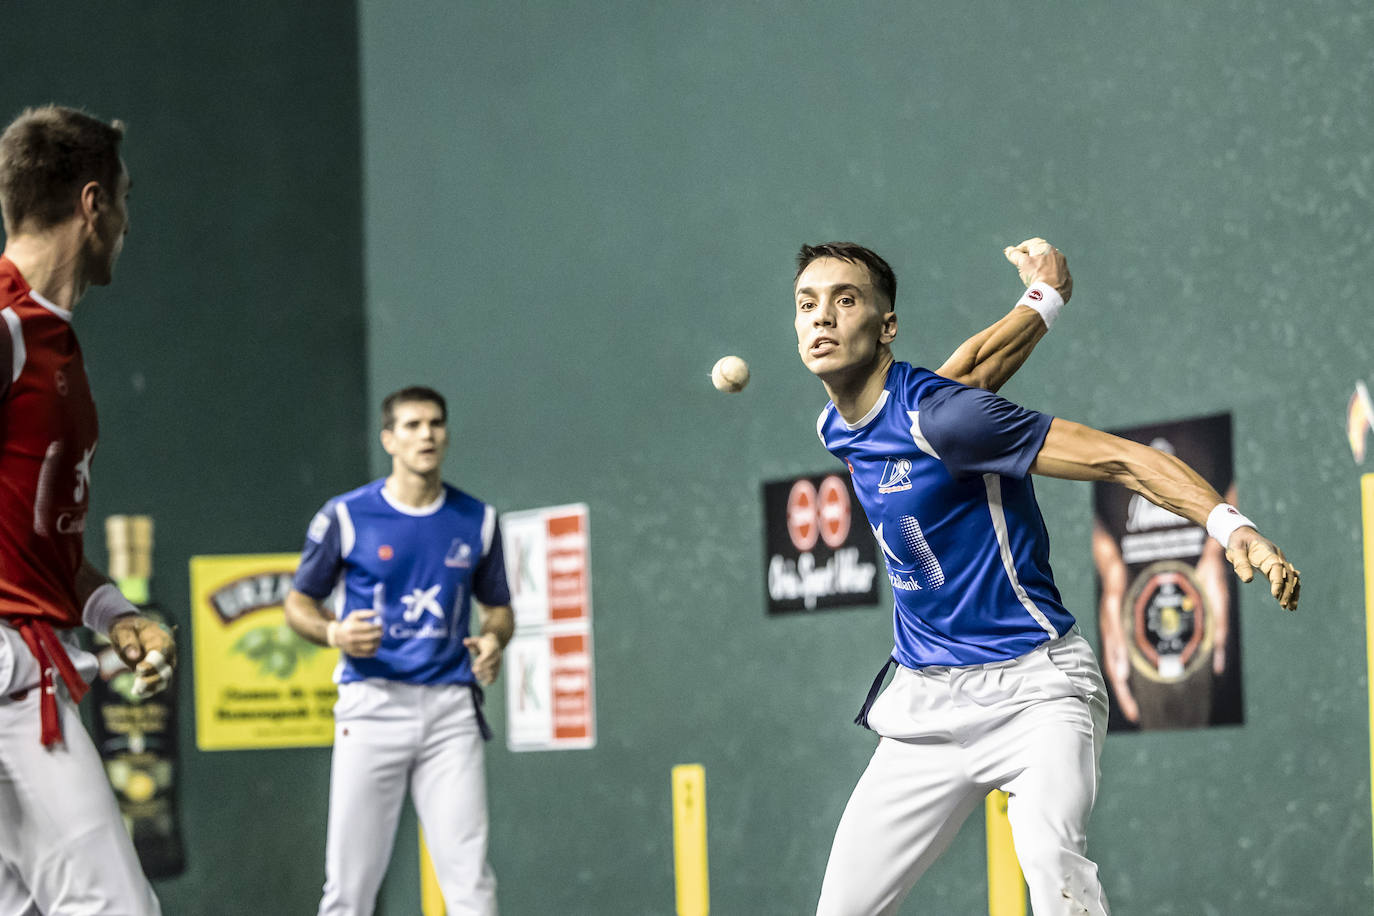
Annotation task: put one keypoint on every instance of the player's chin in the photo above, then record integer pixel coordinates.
(818, 365)
(826, 366)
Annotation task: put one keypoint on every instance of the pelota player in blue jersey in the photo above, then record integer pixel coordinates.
(410, 552)
(994, 687)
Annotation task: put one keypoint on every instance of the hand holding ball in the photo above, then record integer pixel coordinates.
(730, 373)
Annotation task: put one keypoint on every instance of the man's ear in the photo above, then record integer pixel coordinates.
(90, 200)
(388, 439)
(889, 332)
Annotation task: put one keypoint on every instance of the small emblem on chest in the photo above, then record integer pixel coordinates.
(459, 554)
(896, 476)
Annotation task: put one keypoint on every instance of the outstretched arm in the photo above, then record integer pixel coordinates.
(1076, 452)
(990, 357)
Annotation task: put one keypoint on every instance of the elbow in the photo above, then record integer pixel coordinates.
(295, 614)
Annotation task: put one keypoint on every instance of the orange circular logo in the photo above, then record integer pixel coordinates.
(834, 512)
(385, 552)
(802, 516)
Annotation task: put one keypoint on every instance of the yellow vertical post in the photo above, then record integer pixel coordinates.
(1006, 884)
(689, 840)
(431, 899)
(1367, 502)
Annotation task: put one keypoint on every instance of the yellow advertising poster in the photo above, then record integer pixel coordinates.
(258, 684)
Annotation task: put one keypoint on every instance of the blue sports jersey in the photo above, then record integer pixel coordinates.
(418, 567)
(941, 469)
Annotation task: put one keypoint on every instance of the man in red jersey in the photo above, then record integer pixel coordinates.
(64, 195)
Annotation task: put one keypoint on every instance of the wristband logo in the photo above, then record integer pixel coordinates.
(1035, 294)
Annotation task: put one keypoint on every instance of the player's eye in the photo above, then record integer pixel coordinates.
(806, 306)
(846, 300)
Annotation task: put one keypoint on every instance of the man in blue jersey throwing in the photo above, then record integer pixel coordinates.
(994, 687)
(410, 553)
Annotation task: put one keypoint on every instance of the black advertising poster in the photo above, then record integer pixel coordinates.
(1168, 617)
(818, 550)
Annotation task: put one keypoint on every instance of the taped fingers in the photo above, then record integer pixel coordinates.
(153, 674)
(1240, 562)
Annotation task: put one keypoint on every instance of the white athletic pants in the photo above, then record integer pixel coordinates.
(61, 832)
(15, 899)
(1032, 726)
(388, 735)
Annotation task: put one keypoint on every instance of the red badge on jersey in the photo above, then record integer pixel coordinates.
(385, 552)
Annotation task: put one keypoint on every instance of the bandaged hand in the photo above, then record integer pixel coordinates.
(1248, 550)
(1037, 261)
(147, 647)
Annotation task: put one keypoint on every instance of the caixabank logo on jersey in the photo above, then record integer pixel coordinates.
(817, 550)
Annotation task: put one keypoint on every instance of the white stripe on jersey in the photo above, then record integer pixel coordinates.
(16, 343)
(993, 483)
(488, 529)
(919, 437)
(346, 533)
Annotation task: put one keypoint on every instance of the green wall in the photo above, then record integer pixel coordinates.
(572, 210)
(227, 358)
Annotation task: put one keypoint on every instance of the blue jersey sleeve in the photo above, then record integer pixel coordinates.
(322, 557)
(489, 584)
(975, 432)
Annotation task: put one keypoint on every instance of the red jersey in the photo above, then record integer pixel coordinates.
(48, 434)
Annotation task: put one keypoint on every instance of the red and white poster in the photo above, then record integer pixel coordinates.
(550, 696)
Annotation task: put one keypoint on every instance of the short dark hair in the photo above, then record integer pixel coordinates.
(881, 272)
(410, 395)
(47, 155)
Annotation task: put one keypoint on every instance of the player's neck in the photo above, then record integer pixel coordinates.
(415, 490)
(854, 392)
(50, 263)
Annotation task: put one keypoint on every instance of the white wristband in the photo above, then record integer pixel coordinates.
(1045, 299)
(1223, 521)
(103, 606)
(331, 634)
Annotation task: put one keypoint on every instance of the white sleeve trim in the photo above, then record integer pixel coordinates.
(919, 437)
(347, 536)
(488, 530)
(20, 354)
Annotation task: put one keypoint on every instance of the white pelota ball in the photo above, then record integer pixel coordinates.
(730, 373)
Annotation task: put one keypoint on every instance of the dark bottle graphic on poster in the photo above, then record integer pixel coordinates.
(1167, 599)
(137, 736)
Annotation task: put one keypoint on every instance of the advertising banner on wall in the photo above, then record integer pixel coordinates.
(258, 684)
(818, 549)
(1168, 614)
(550, 696)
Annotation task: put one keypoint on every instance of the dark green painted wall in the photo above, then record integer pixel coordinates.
(572, 211)
(227, 358)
